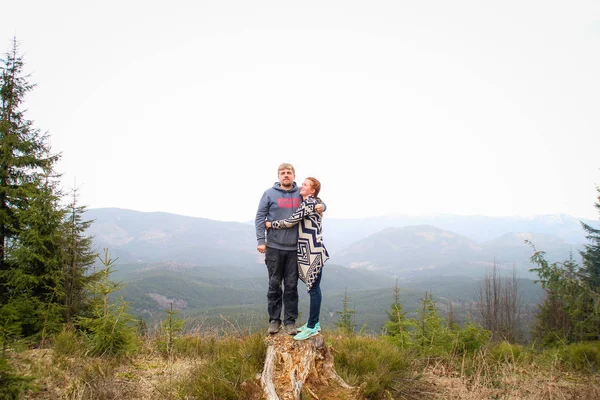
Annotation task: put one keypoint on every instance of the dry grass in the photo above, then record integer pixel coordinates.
(510, 385)
(144, 376)
(149, 374)
(498, 380)
(180, 372)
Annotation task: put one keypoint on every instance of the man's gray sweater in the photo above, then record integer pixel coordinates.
(277, 203)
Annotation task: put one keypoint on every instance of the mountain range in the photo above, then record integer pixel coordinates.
(211, 271)
(424, 250)
(398, 245)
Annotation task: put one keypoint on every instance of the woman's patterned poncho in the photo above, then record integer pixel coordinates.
(312, 253)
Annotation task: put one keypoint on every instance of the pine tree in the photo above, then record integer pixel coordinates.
(431, 334)
(591, 255)
(35, 276)
(571, 309)
(79, 257)
(110, 329)
(170, 328)
(25, 158)
(344, 323)
(30, 214)
(398, 326)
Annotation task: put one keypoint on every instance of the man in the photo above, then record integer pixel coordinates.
(279, 247)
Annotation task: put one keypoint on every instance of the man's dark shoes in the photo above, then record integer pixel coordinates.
(291, 329)
(274, 327)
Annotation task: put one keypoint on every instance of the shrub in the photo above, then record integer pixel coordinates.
(471, 338)
(12, 386)
(230, 362)
(67, 343)
(111, 334)
(582, 355)
(370, 361)
(509, 353)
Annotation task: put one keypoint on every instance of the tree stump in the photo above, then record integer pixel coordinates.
(302, 369)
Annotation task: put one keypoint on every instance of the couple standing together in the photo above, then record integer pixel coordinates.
(293, 248)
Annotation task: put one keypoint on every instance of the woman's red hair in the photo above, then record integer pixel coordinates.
(316, 185)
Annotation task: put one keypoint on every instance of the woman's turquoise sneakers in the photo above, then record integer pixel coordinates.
(303, 327)
(306, 333)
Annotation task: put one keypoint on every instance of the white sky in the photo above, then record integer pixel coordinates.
(188, 107)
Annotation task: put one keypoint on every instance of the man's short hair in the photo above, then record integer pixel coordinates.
(286, 166)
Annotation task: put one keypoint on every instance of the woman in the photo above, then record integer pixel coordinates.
(312, 253)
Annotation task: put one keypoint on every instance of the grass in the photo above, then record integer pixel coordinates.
(508, 371)
(370, 362)
(225, 365)
(496, 371)
(582, 356)
(212, 365)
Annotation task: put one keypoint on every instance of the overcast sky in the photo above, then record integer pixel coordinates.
(188, 107)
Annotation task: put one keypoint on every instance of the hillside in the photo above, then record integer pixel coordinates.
(210, 270)
(210, 293)
(405, 249)
(154, 237)
(342, 232)
(205, 297)
(414, 252)
(137, 237)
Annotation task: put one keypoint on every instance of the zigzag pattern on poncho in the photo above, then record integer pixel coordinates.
(312, 253)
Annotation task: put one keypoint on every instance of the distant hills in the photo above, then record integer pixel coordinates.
(424, 250)
(342, 232)
(141, 237)
(211, 271)
(407, 245)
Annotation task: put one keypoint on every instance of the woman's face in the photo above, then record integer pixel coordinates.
(306, 189)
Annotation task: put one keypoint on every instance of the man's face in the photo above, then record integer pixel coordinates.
(286, 178)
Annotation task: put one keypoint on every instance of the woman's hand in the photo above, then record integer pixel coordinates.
(267, 224)
(319, 208)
